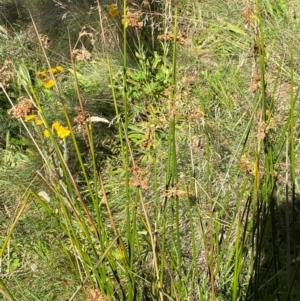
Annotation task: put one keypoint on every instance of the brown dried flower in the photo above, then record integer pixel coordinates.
(261, 130)
(81, 54)
(140, 178)
(44, 40)
(134, 19)
(22, 109)
(81, 117)
(95, 295)
(169, 37)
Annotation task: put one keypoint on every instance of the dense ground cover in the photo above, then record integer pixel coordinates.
(149, 150)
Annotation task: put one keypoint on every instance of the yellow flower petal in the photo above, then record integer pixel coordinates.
(49, 83)
(46, 133)
(113, 10)
(62, 132)
(30, 117)
(41, 74)
(57, 69)
(56, 125)
(39, 122)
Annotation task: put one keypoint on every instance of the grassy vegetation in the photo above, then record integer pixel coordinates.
(149, 150)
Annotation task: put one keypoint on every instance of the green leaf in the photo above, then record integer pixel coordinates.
(23, 141)
(236, 29)
(15, 264)
(24, 74)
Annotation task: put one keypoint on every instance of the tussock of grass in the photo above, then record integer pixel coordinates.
(169, 167)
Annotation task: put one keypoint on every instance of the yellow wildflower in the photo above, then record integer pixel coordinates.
(49, 83)
(57, 69)
(29, 117)
(46, 133)
(113, 10)
(39, 122)
(41, 74)
(56, 125)
(63, 132)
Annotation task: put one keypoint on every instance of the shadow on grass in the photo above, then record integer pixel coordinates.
(277, 269)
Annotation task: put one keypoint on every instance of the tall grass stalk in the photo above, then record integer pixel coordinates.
(263, 188)
(130, 215)
(6, 292)
(172, 173)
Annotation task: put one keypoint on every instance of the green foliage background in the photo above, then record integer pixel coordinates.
(188, 190)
